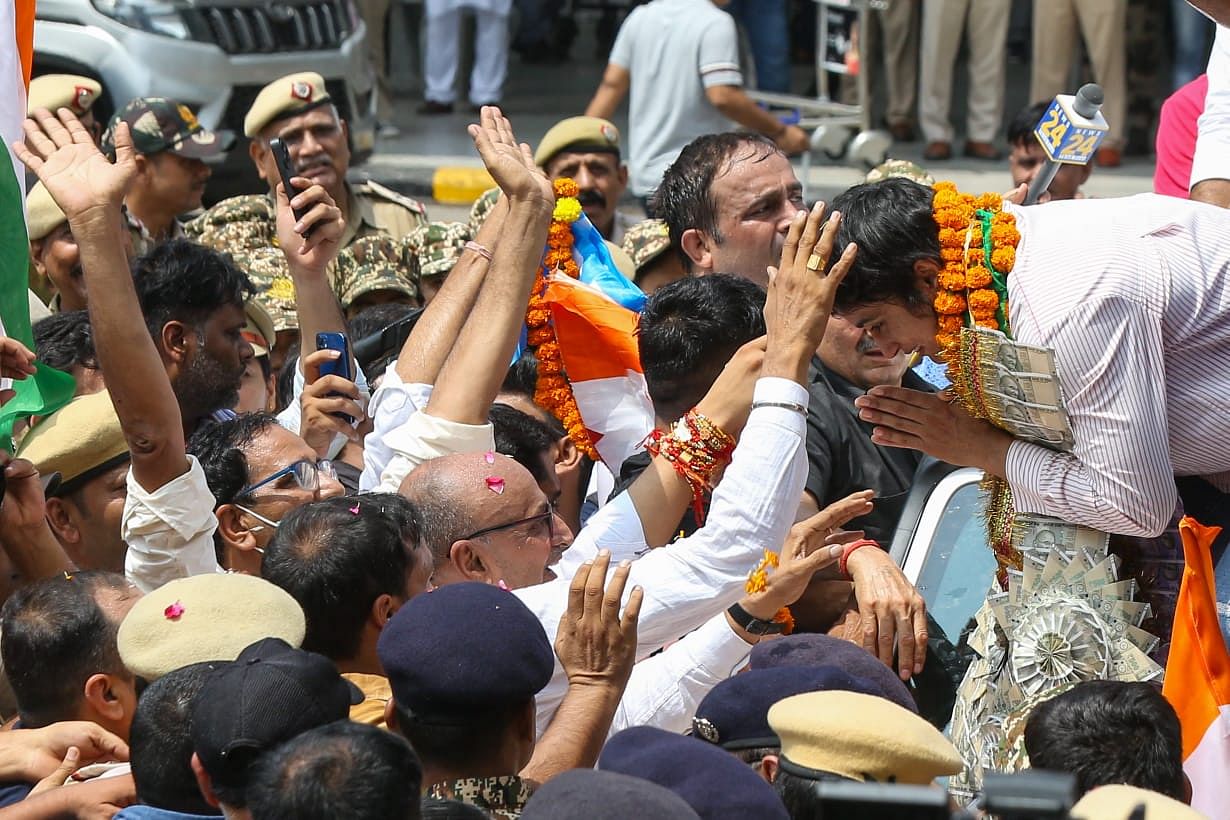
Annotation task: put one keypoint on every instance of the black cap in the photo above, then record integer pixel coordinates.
(715, 783)
(463, 650)
(735, 713)
(598, 795)
(269, 694)
(809, 649)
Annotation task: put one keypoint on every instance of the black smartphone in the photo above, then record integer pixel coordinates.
(342, 366)
(281, 155)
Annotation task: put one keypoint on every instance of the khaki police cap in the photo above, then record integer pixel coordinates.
(259, 328)
(860, 737)
(646, 241)
(1117, 802)
(76, 440)
(284, 97)
(43, 215)
(71, 91)
(578, 134)
(211, 617)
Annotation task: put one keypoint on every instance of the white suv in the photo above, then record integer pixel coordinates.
(213, 56)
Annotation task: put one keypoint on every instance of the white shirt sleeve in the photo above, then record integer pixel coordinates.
(1212, 157)
(391, 407)
(1119, 477)
(170, 531)
(665, 690)
(718, 58)
(698, 577)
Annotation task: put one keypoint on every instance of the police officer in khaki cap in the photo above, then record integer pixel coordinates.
(853, 736)
(83, 442)
(586, 149)
(71, 91)
(1120, 802)
(299, 110)
(647, 244)
(211, 617)
(258, 388)
(54, 258)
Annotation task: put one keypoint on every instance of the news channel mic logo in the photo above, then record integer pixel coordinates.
(1068, 137)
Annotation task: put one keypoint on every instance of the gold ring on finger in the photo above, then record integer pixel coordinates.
(815, 262)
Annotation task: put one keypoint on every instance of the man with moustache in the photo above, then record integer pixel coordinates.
(171, 149)
(298, 110)
(587, 150)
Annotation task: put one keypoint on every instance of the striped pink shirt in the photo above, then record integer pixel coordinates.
(1133, 295)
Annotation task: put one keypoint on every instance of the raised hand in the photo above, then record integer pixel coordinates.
(594, 643)
(79, 178)
(322, 220)
(16, 362)
(511, 164)
(323, 398)
(802, 289)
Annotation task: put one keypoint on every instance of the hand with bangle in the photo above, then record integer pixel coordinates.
(891, 610)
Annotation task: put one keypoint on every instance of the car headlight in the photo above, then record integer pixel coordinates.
(154, 16)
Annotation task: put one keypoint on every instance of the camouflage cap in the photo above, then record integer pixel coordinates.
(373, 263)
(646, 241)
(71, 91)
(275, 292)
(158, 124)
(284, 97)
(481, 207)
(900, 168)
(439, 246)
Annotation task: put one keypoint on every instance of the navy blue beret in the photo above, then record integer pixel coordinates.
(715, 783)
(464, 648)
(809, 649)
(735, 713)
(598, 795)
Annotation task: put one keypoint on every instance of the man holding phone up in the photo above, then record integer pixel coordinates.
(298, 110)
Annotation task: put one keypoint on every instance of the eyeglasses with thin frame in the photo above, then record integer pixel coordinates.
(305, 472)
(548, 516)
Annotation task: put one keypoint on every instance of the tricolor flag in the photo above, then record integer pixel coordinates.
(48, 389)
(595, 321)
(1198, 675)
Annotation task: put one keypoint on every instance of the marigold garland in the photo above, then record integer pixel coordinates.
(758, 581)
(553, 392)
(966, 285)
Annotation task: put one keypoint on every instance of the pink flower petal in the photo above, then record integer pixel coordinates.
(489, 457)
(355, 509)
(502, 585)
(495, 484)
(173, 611)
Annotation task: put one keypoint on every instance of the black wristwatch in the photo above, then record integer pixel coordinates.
(753, 625)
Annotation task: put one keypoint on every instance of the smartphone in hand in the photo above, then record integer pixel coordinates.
(281, 155)
(342, 366)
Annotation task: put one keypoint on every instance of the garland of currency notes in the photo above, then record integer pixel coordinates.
(1057, 612)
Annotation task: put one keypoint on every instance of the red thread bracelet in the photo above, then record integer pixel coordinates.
(849, 550)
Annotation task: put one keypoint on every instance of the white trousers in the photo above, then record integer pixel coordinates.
(943, 22)
(442, 52)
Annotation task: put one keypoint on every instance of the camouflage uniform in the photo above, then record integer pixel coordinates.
(439, 246)
(892, 168)
(381, 223)
(502, 797)
(481, 207)
(142, 241)
(646, 241)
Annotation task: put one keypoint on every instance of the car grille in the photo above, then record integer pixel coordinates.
(274, 27)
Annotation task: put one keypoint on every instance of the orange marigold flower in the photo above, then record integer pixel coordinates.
(564, 186)
(951, 254)
(989, 324)
(989, 202)
(948, 236)
(949, 303)
(786, 619)
(951, 280)
(1003, 259)
(943, 185)
(950, 324)
(983, 301)
(539, 335)
(976, 276)
(947, 341)
(536, 317)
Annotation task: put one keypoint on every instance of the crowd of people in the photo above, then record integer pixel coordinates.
(248, 572)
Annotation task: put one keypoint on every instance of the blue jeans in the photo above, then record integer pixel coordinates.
(1191, 38)
(768, 34)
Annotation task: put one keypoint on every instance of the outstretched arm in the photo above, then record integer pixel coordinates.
(91, 190)
(475, 369)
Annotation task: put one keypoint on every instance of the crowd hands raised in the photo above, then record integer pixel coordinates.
(414, 552)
